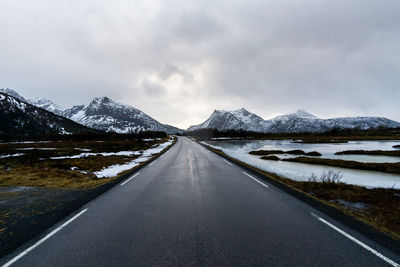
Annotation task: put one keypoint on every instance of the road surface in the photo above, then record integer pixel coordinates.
(192, 208)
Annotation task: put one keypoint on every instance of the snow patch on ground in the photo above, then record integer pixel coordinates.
(26, 142)
(83, 149)
(106, 154)
(151, 139)
(114, 170)
(11, 155)
(63, 131)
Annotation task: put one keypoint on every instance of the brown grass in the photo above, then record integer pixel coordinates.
(381, 167)
(382, 205)
(8, 194)
(91, 164)
(394, 153)
(31, 171)
(49, 178)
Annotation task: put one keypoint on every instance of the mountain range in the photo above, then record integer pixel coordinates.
(299, 122)
(102, 113)
(105, 114)
(19, 118)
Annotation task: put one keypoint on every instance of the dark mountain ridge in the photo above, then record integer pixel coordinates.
(19, 118)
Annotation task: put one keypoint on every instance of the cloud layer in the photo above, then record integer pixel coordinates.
(179, 60)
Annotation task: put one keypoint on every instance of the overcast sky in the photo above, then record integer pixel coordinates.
(179, 60)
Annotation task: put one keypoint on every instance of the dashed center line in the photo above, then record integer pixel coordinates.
(358, 242)
(255, 179)
(26, 251)
(228, 162)
(130, 178)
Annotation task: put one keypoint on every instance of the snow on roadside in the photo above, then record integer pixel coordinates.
(151, 139)
(25, 142)
(106, 154)
(11, 155)
(114, 170)
(83, 149)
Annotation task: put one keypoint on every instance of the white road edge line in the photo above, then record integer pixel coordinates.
(228, 162)
(130, 178)
(152, 163)
(373, 251)
(255, 179)
(26, 251)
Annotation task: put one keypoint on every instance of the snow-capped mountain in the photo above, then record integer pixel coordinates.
(13, 93)
(304, 122)
(102, 114)
(108, 115)
(240, 119)
(21, 118)
(47, 105)
(298, 122)
(38, 102)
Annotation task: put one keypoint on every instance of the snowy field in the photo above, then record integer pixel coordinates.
(145, 155)
(117, 156)
(302, 172)
(106, 154)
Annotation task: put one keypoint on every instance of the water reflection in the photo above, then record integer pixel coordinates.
(302, 172)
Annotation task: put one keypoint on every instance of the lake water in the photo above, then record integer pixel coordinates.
(302, 172)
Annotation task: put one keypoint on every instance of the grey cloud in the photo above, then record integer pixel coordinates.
(170, 70)
(332, 58)
(153, 88)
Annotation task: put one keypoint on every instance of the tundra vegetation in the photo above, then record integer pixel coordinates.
(394, 153)
(42, 164)
(381, 167)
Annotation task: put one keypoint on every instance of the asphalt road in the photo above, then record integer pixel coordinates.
(192, 208)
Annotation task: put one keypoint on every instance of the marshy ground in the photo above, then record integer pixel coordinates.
(65, 164)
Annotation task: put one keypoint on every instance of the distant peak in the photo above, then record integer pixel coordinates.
(7, 90)
(41, 100)
(218, 111)
(242, 110)
(105, 101)
(101, 99)
(304, 114)
(12, 93)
